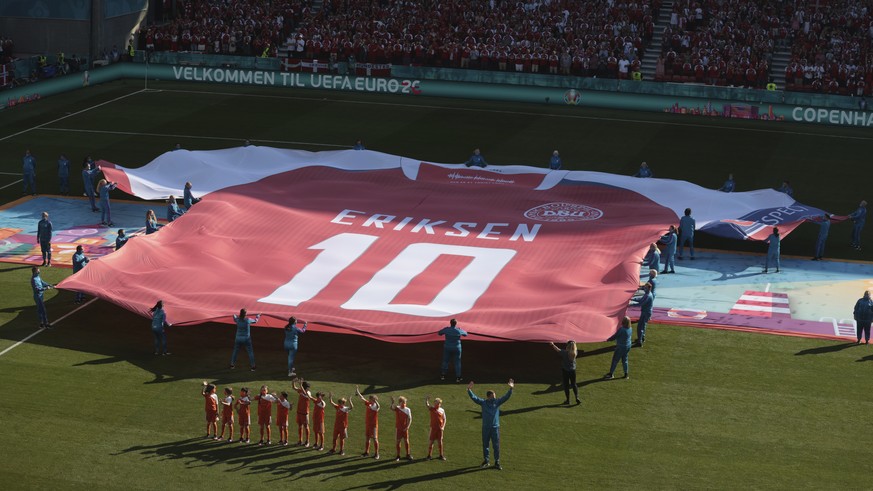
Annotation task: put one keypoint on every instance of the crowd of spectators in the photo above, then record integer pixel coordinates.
(831, 48)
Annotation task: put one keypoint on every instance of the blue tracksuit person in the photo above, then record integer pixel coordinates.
(864, 316)
(79, 262)
(555, 161)
(669, 240)
(476, 160)
(44, 237)
(686, 232)
(786, 188)
(188, 199)
(646, 303)
(824, 229)
(452, 348)
(772, 250)
(159, 325)
(173, 210)
(622, 339)
(243, 337)
(728, 186)
(39, 287)
(490, 421)
(64, 174)
(359, 145)
(644, 171)
(88, 180)
(653, 258)
(29, 173)
(103, 188)
(121, 239)
(292, 332)
(858, 217)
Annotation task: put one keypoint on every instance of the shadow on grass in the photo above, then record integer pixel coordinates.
(831, 348)
(866, 358)
(398, 483)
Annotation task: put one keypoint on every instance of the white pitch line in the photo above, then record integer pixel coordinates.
(70, 115)
(164, 135)
(10, 173)
(525, 113)
(767, 289)
(7, 350)
(12, 184)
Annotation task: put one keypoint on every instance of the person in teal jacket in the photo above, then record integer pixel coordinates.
(39, 287)
(687, 224)
(292, 332)
(772, 250)
(452, 348)
(490, 421)
(646, 303)
(79, 262)
(669, 240)
(159, 323)
(622, 339)
(244, 337)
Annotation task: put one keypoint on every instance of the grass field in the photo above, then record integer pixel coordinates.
(88, 405)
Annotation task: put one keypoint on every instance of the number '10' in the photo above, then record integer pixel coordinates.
(340, 251)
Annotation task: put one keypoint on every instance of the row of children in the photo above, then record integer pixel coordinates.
(265, 401)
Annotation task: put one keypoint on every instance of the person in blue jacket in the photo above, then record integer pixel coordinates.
(646, 303)
(490, 421)
(359, 145)
(728, 186)
(39, 287)
(864, 316)
(669, 240)
(555, 161)
(622, 338)
(79, 262)
(452, 348)
(772, 249)
(173, 210)
(121, 239)
(188, 199)
(786, 188)
(103, 188)
(88, 181)
(64, 174)
(292, 332)
(44, 237)
(644, 171)
(858, 218)
(476, 160)
(29, 173)
(653, 257)
(159, 325)
(151, 223)
(824, 224)
(244, 337)
(687, 224)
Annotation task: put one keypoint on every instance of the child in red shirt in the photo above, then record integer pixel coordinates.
(304, 396)
(371, 428)
(282, 408)
(402, 422)
(227, 414)
(437, 425)
(208, 393)
(340, 423)
(265, 413)
(318, 420)
(243, 412)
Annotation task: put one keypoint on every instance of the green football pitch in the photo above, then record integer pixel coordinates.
(88, 405)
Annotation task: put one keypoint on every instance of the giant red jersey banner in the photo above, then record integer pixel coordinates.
(367, 243)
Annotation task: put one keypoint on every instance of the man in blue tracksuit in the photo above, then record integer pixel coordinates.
(728, 186)
(669, 240)
(858, 217)
(452, 348)
(292, 332)
(173, 210)
(864, 316)
(188, 199)
(88, 181)
(244, 337)
(653, 257)
(490, 421)
(686, 232)
(644, 171)
(79, 262)
(64, 174)
(622, 339)
(824, 228)
(476, 160)
(44, 237)
(29, 173)
(773, 250)
(646, 303)
(555, 161)
(39, 287)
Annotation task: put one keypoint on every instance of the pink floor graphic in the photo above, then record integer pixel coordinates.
(763, 304)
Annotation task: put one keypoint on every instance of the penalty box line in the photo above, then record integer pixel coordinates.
(41, 329)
